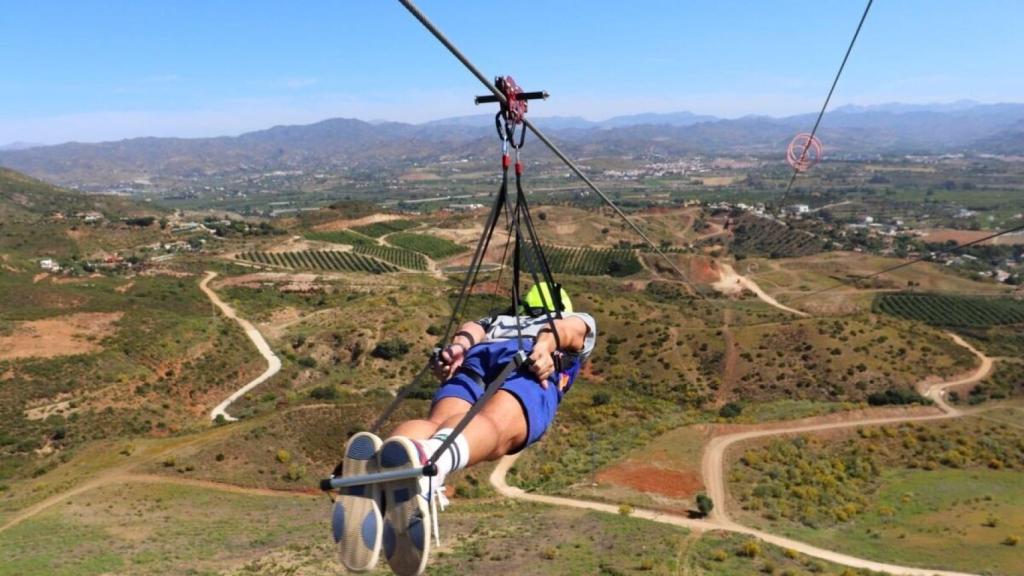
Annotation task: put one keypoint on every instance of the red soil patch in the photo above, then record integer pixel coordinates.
(704, 270)
(671, 483)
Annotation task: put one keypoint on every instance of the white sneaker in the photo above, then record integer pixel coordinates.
(410, 508)
(356, 521)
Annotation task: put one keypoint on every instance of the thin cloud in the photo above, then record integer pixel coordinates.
(296, 83)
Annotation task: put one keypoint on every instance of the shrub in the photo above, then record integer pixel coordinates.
(704, 504)
(719, 555)
(142, 221)
(324, 393)
(549, 553)
(219, 457)
(390, 349)
(295, 473)
(170, 462)
(898, 396)
(730, 410)
(307, 361)
(749, 549)
(600, 398)
(283, 456)
(1011, 541)
(625, 509)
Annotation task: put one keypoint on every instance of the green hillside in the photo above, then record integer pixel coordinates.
(24, 197)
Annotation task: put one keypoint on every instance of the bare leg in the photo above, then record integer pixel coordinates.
(444, 410)
(498, 429)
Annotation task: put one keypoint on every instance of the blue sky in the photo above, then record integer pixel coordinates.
(89, 70)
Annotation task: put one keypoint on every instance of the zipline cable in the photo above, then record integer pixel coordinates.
(901, 265)
(540, 135)
(821, 114)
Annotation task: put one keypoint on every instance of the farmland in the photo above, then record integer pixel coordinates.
(378, 229)
(757, 236)
(320, 260)
(431, 246)
(397, 256)
(946, 310)
(591, 262)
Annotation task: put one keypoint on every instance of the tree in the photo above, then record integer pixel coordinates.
(730, 410)
(324, 393)
(389, 349)
(704, 504)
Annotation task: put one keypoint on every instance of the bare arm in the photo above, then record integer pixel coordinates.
(572, 333)
(468, 335)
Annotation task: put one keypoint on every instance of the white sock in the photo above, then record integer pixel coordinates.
(456, 457)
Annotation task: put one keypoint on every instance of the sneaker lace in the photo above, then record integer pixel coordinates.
(437, 499)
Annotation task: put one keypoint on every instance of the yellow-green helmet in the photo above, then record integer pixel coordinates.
(540, 294)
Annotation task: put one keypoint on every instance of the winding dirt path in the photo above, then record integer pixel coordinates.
(731, 281)
(273, 362)
(713, 467)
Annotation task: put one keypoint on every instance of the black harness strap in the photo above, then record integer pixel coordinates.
(461, 302)
(520, 360)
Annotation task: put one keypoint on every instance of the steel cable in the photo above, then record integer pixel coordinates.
(824, 106)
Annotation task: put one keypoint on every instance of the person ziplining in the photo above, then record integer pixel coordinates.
(503, 377)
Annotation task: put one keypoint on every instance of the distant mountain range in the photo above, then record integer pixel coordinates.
(962, 126)
(20, 146)
(578, 122)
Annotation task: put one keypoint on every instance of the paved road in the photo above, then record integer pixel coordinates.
(273, 362)
(713, 467)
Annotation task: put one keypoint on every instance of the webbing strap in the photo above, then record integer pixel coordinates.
(460, 303)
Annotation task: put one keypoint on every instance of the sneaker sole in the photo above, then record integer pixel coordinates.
(407, 523)
(356, 521)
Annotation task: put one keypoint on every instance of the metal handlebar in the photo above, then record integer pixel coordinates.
(491, 99)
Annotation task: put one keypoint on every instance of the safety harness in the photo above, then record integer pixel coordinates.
(527, 253)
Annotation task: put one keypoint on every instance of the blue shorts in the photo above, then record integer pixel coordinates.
(486, 360)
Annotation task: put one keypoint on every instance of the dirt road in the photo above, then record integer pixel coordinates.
(713, 468)
(731, 282)
(273, 362)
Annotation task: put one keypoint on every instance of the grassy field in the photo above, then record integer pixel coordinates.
(725, 554)
(938, 519)
(943, 495)
(791, 278)
(153, 528)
